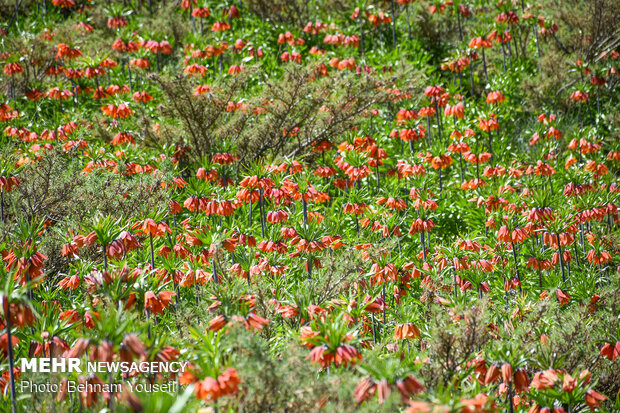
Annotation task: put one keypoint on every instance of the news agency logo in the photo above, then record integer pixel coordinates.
(51, 365)
(74, 365)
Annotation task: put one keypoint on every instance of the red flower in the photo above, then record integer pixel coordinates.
(406, 331)
(12, 69)
(562, 297)
(611, 351)
(495, 97)
(594, 399)
(4, 344)
(156, 304)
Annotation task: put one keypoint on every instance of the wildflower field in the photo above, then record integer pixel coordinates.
(355, 205)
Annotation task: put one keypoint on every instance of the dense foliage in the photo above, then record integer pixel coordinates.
(321, 206)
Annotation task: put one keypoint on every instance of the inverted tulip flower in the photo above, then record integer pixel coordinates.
(155, 304)
(154, 229)
(438, 97)
(354, 163)
(24, 258)
(105, 231)
(437, 161)
(422, 202)
(481, 42)
(332, 345)
(489, 125)
(16, 310)
(384, 378)
(8, 181)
